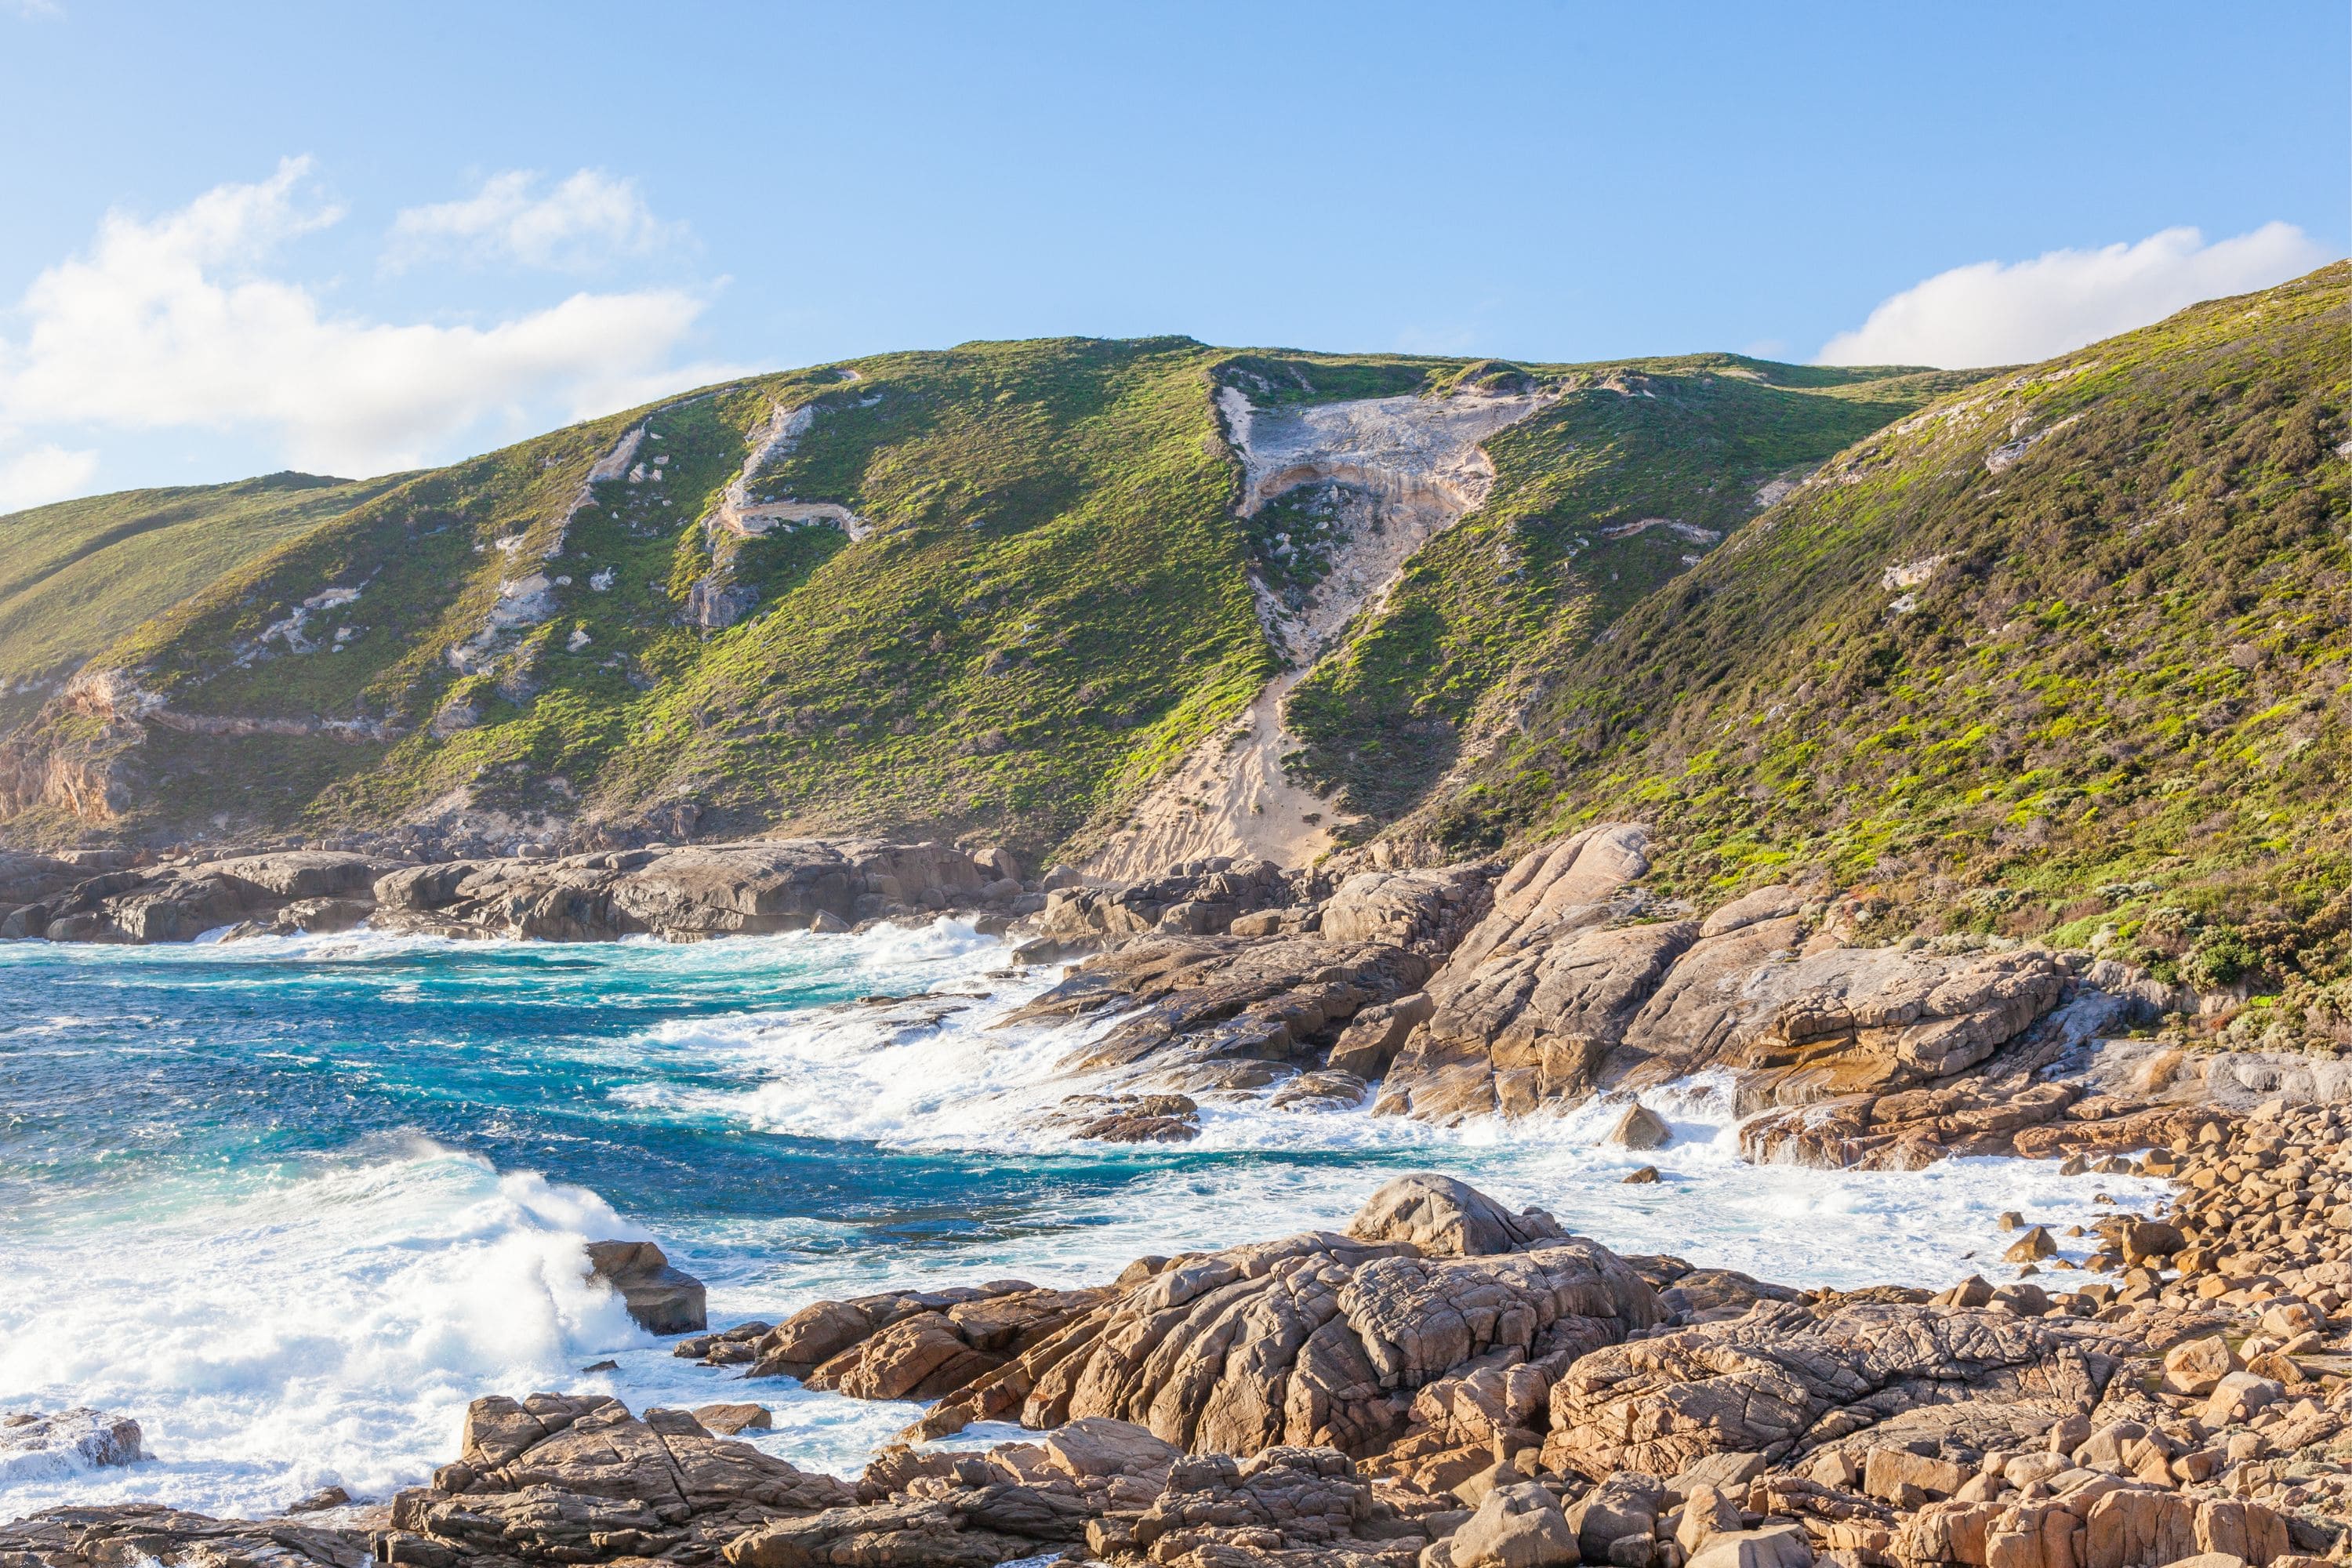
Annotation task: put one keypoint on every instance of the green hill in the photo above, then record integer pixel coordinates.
(78, 574)
(1612, 490)
(1041, 599)
(2064, 654)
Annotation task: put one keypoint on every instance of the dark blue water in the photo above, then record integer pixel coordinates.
(121, 1069)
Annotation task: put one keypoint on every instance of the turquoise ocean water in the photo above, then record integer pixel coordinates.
(291, 1204)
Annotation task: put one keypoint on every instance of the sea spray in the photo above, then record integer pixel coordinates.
(291, 1204)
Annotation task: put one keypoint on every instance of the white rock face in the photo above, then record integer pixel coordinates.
(739, 513)
(523, 602)
(1414, 468)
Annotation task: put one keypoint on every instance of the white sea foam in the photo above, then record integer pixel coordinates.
(961, 1081)
(274, 1334)
(325, 1328)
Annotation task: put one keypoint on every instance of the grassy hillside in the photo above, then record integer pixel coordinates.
(1631, 476)
(2065, 654)
(78, 574)
(1044, 600)
(1051, 598)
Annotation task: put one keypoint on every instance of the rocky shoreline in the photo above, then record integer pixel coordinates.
(1444, 1383)
(682, 892)
(1449, 1385)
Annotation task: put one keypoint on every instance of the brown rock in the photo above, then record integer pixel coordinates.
(2195, 1367)
(1759, 1382)
(1444, 1218)
(918, 1357)
(1892, 1474)
(1624, 1504)
(1538, 990)
(2031, 1247)
(1519, 1526)
(1428, 910)
(1640, 1128)
(1773, 1546)
(1372, 1038)
(2239, 1394)
(1706, 1511)
(728, 1419)
(663, 1300)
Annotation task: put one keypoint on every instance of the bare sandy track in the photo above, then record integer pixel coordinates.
(1414, 468)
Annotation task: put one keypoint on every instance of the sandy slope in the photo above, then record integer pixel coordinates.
(1414, 467)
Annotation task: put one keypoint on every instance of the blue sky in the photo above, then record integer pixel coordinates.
(251, 236)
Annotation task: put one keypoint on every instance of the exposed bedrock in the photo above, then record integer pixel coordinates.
(1479, 989)
(1912, 1129)
(1222, 1014)
(685, 892)
(1574, 982)
(661, 1297)
(1320, 1338)
(696, 891)
(1450, 1383)
(175, 903)
(1203, 898)
(1411, 467)
(1782, 1375)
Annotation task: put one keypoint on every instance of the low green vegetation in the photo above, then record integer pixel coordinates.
(2065, 655)
(1048, 602)
(1051, 605)
(1625, 482)
(2055, 653)
(78, 574)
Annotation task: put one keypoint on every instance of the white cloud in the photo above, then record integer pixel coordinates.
(587, 218)
(172, 324)
(44, 474)
(1995, 312)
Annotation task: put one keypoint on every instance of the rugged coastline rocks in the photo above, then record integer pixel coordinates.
(1317, 1339)
(1202, 898)
(1478, 989)
(1449, 1383)
(1574, 982)
(1444, 993)
(1480, 1391)
(177, 903)
(1196, 1014)
(80, 1437)
(683, 893)
(660, 1297)
(1914, 1128)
